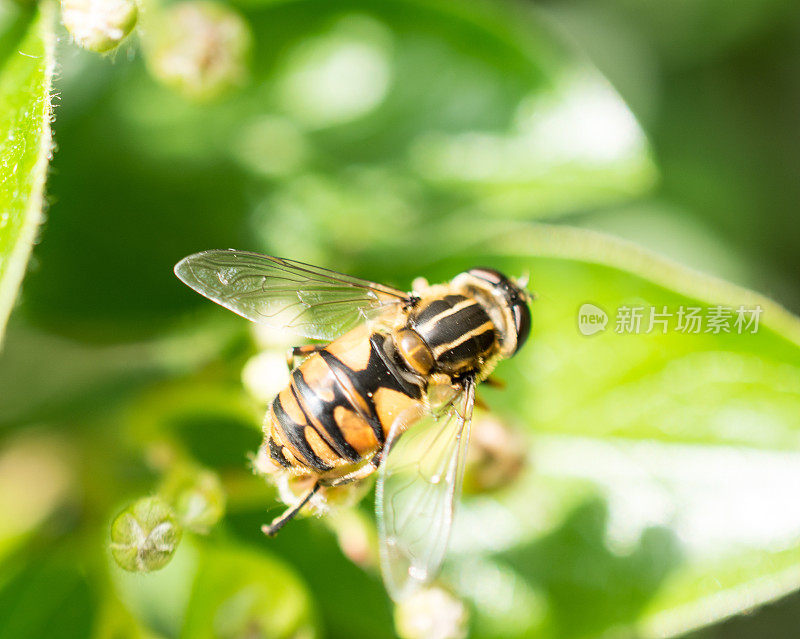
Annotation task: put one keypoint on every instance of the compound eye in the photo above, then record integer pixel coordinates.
(522, 322)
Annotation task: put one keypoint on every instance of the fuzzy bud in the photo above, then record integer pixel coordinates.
(197, 497)
(496, 457)
(99, 25)
(199, 48)
(356, 536)
(145, 535)
(265, 375)
(431, 613)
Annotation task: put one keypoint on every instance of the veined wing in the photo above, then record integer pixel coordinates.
(419, 483)
(281, 293)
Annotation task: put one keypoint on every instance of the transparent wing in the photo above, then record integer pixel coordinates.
(281, 293)
(419, 483)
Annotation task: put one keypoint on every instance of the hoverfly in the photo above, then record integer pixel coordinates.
(393, 363)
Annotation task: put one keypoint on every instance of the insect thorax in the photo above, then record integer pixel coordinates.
(450, 334)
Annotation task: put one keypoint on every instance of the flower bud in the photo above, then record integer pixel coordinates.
(431, 613)
(145, 535)
(99, 25)
(197, 497)
(269, 338)
(265, 375)
(496, 455)
(199, 48)
(356, 535)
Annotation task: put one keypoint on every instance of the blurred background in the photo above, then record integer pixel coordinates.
(620, 152)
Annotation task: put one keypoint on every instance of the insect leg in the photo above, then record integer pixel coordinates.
(279, 522)
(361, 473)
(493, 382)
(479, 403)
(300, 351)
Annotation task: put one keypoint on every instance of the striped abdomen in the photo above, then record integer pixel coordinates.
(457, 330)
(340, 405)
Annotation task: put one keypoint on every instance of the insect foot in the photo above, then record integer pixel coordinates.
(145, 535)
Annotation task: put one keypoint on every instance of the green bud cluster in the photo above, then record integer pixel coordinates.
(146, 534)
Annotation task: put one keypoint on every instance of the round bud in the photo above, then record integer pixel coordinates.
(99, 25)
(431, 613)
(199, 48)
(356, 536)
(265, 375)
(145, 535)
(197, 497)
(496, 456)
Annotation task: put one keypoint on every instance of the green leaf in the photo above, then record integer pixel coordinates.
(32, 388)
(351, 601)
(660, 495)
(48, 593)
(240, 592)
(218, 591)
(25, 149)
(158, 601)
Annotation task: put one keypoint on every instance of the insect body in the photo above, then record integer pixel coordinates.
(397, 363)
(340, 405)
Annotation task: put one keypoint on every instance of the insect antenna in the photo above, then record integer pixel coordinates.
(279, 522)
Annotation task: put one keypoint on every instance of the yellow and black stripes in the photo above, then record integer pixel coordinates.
(457, 330)
(340, 405)
(294, 435)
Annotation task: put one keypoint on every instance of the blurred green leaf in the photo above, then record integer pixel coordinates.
(37, 479)
(240, 593)
(25, 148)
(159, 600)
(363, 122)
(43, 376)
(115, 622)
(351, 601)
(221, 591)
(216, 424)
(49, 595)
(688, 32)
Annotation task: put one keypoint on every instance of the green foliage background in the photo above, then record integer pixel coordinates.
(620, 153)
